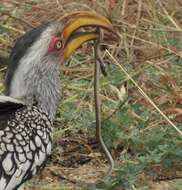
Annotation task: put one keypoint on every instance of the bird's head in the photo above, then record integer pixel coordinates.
(33, 72)
(67, 39)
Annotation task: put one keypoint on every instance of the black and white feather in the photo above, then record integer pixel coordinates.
(25, 142)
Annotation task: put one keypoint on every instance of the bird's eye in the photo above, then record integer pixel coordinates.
(58, 45)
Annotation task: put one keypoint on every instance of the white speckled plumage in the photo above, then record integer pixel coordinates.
(21, 157)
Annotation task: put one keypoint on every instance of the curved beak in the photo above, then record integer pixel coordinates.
(74, 40)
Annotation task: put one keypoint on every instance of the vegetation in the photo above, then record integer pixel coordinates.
(144, 79)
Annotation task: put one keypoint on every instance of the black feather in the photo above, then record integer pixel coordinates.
(7, 111)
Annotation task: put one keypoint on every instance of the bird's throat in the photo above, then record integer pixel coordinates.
(38, 84)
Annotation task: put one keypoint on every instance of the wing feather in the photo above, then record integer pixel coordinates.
(25, 141)
(8, 106)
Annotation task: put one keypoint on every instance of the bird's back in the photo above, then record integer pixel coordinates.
(25, 142)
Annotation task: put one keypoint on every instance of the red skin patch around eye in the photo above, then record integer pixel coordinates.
(52, 44)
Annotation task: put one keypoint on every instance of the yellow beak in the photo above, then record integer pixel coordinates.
(78, 20)
(77, 41)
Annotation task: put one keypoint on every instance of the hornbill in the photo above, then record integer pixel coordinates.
(32, 91)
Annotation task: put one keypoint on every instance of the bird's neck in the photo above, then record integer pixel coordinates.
(38, 83)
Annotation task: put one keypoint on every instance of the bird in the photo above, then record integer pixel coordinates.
(33, 90)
